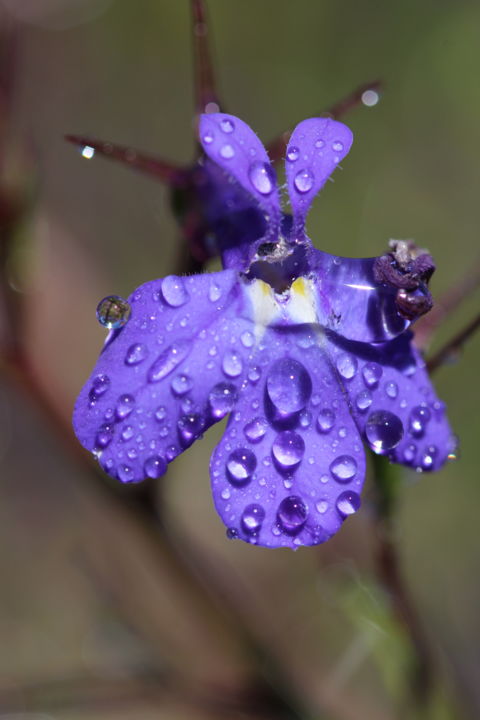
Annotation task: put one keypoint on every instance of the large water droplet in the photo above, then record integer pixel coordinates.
(292, 153)
(292, 514)
(168, 360)
(124, 406)
(347, 366)
(174, 291)
(348, 503)
(255, 429)
(155, 466)
(190, 428)
(372, 374)
(227, 125)
(222, 399)
(289, 386)
(113, 312)
(100, 385)
(181, 384)
(363, 400)
(418, 421)
(288, 449)
(343, 468)
(252, 518)
(136, 354)
(262, 177)
(227, 152)
(303, 181)
(325, 420)
(241, 465)
(384, 430)
(232, 364)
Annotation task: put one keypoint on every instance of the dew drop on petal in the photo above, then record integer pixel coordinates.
(208, 137)
(227, 125)
(104, 436)
(181, 385)
(174, 291)
(410, 453)
(292, 153)
(124, 406)
(343, 468)
(288, 449)
(155, 466)
(214, 292)
(303, 181)
(247, 339)
(292, 514)
(222, 399)
(262, 177)
(241, 465)
(255, 429)
(125, 474)
(319, 144)
(322, 506)
(100, 385)
(363, 400)
(232, 364)
(428, 457)
(160, 413)
(348, 503)
(372, 374)
(289, 386)
(168, 360)
(418, 421)
(190, 428)
(254, 374)
(391, 390)
(384, 430)
(325, 420)
(252, 518)
(346, 366)
(337, 146)
(113, 312)
(135, 354)
(227, 152)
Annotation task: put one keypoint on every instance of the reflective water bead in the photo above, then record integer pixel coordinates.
(155, 466)
(124, 406)
(292, 153)
(241, 465)
(127, 433)
(168, 360)
(232, 364)
(303, 181)
(232, 533)
(391, 390)
(343, 468)
(288, 449)
(181, 384)
(372, 374)
(208, 137)
(384, 430)
(347, 366)
(419, 418)
(247, 339)
(322, 506)
(348, 503)
(227, 125)
(325, 420)
(409, 453)
(305, 419)
(100, 385)
(255, 429)
(227, 152)
(337, 146)
(174, 291)
(363, 400)
(222, 399)
(252, 518)
(292, 514)
(428, 457)
(319, 144)
(135, 354)
(160, 413)
(104, 436)
(189, 428)
(262, 177)
(254, 374)
(289, 386)
(214, 292)
(125, 474)
(113, 312)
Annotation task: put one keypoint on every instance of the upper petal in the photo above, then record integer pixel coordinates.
(315, 149)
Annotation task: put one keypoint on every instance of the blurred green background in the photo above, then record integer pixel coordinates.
(99, 616)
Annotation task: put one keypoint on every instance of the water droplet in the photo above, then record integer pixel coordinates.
(363, 400)
(100, 385)
(337, 146)
(252, 518)
(288, 449)
(113, 312)
(289, 386)
(255, 429)
(174, 291)
(227, 125)
(384, 430)
(160, 413)
(241, 465)
(155, 466)
(370, 98)
(347, 366)
(372, 374)
(247, 339)
(168, 360)
(344, 468)
(262, 177)
(391, 389)
(227, 152)
(292, 514)
(232, 364)
(125, 474)
(428, 457)
(182, 384)
(127, 433)
(208, 137)
(222, 399)
(322, 506)
(190, 428)
(319, 144)
(292, 153)
(254, 374)
(305, 419)
(418, 421)
(214, 292)
(409, 453)
(348, 503)
(136, 354)
(87, 151)
(303, 181)
(325, 420)
(226, 494)
(104, 436)
(124, 406)
(232, 533)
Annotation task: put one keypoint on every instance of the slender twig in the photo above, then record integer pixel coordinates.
(454, 345)
(206, 96)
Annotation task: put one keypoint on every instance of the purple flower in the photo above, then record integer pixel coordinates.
(310, 354)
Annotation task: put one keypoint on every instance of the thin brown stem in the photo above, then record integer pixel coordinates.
(454, 345)
(206, 96)
(162, 170)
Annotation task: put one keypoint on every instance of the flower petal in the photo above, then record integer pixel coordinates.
(172, 371)
(315, 149)
(290, 466)
(394, 403)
